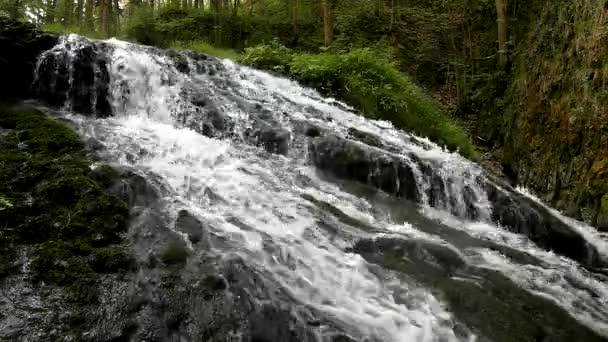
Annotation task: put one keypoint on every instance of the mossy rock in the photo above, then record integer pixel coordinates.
(50, 201)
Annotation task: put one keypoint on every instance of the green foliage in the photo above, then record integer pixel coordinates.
(370, 82)
(142, 27)
(50, 202)
(206, 48)
(273, 56)
(73, 28)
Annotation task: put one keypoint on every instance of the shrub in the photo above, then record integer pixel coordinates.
(273, 56)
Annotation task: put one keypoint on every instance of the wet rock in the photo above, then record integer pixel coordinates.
(129, 186)
(270, 136)
(179, 61)
(79, 77)
(349, 160)
(524, 216)
(190, 225)
(423, 256)
(365, 137)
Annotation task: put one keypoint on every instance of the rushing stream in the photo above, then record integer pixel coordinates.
(288, 182)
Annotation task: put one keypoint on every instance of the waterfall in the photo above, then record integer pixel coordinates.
(323, 205)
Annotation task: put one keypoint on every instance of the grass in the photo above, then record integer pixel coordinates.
(206, 48)
(371, 83)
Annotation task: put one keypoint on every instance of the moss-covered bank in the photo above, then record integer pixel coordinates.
(50, 202)
(555, 126)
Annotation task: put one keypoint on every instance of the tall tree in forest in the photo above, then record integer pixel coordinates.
(296, 4)
(51, 5)
(65, 11)
(89, 20)
(78, 11)
(328, 21)
(105, 16)
(501, 19)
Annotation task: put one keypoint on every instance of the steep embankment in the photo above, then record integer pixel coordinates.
(556, 123)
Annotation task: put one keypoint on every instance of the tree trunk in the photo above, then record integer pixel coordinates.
(106, 17)
(51, 5)
(295, 19)
(78, 11)
(328, 22)
(501, 15)
(89, 22)
(392, 16)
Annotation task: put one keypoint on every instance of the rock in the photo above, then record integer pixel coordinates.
(179, 61)
(349, 160)
(270, 135)
(20, 45)
(80, 78)
(190, 225)
(524, 216)
(364, 137)
(132, 188)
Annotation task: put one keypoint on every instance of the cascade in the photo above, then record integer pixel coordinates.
(326, 226)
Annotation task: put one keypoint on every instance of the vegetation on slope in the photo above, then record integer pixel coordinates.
(371, 83)
(50, 202)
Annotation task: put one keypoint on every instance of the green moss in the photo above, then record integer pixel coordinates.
(370, 82)
(50, 202)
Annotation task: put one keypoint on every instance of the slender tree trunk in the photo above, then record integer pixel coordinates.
(501, 15)
(88, 14)
(250, 8)
(116, 13)
(106, 17)
(51, 5)
(295, 19)
(328, 22)
(78, 11)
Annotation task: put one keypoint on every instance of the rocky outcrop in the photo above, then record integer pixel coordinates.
(20, 45)
(396, 175)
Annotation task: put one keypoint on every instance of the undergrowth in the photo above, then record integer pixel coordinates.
(204, 47)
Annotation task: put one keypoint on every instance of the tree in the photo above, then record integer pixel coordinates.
(501, 18)
(328, 22)
(106, 16)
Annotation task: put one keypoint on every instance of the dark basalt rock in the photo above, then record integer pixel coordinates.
(78, 77)
(190, 225)
(20, 45)
(524, 216)
(268, 133)
(350, 160)
(383, 170)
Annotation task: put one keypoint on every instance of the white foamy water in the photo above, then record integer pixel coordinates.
(265, 210)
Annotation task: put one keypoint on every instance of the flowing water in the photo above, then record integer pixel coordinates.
(254, 175)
